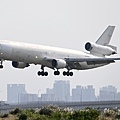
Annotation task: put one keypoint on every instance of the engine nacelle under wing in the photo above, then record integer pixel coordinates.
(100, 49)
(19, 64)
(58, 63)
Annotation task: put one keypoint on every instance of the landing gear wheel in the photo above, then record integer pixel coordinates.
(71, 73)
(46, 73)
(67, 73)
(64, 73)
(1, 66)
(56, 73)
(42, 73)
(39, 73)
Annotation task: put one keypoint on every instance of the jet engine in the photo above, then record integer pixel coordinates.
(58, 63)
(100, 49)
(19, 64)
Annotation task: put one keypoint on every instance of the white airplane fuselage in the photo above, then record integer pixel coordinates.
(36, 54)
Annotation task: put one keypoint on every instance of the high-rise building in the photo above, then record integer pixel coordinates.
(28, 97)
(88, 93)
(77, 94)
(48, 96)
(14, 91)
(117, 97)
(108, 93)
(80, 93)
(61, 90)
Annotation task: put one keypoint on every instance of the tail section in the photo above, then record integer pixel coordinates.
(104, 39)
(113, 47)
(101, 47)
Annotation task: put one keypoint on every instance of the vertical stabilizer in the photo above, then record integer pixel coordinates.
(104, 39)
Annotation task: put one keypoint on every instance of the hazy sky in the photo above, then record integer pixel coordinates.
(62, 23)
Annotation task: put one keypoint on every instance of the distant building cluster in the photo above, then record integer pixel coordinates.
(83, 93)
(16, 93)
(109, 93)
(59, 92)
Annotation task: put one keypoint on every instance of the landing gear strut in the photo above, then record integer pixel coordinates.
(43, 73)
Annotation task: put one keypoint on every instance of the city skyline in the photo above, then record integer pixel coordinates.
(40, 91)
(17, 93)
(66, 24)
(83, 86)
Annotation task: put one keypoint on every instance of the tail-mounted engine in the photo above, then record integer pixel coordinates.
(100, 49)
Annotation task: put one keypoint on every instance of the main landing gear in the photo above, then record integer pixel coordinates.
(68, 73)
(42, 73)
(56, 73)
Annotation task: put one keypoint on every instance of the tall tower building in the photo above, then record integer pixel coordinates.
(108, 93)
(80, 93)
(77, 93)
(14, 91)
(61, 90)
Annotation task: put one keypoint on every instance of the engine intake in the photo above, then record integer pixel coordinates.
(58, 63)
(88, 46)
(19, 64)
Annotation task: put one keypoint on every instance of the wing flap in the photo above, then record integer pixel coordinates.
(99, 62)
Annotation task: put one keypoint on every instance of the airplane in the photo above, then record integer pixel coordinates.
(23, 54)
